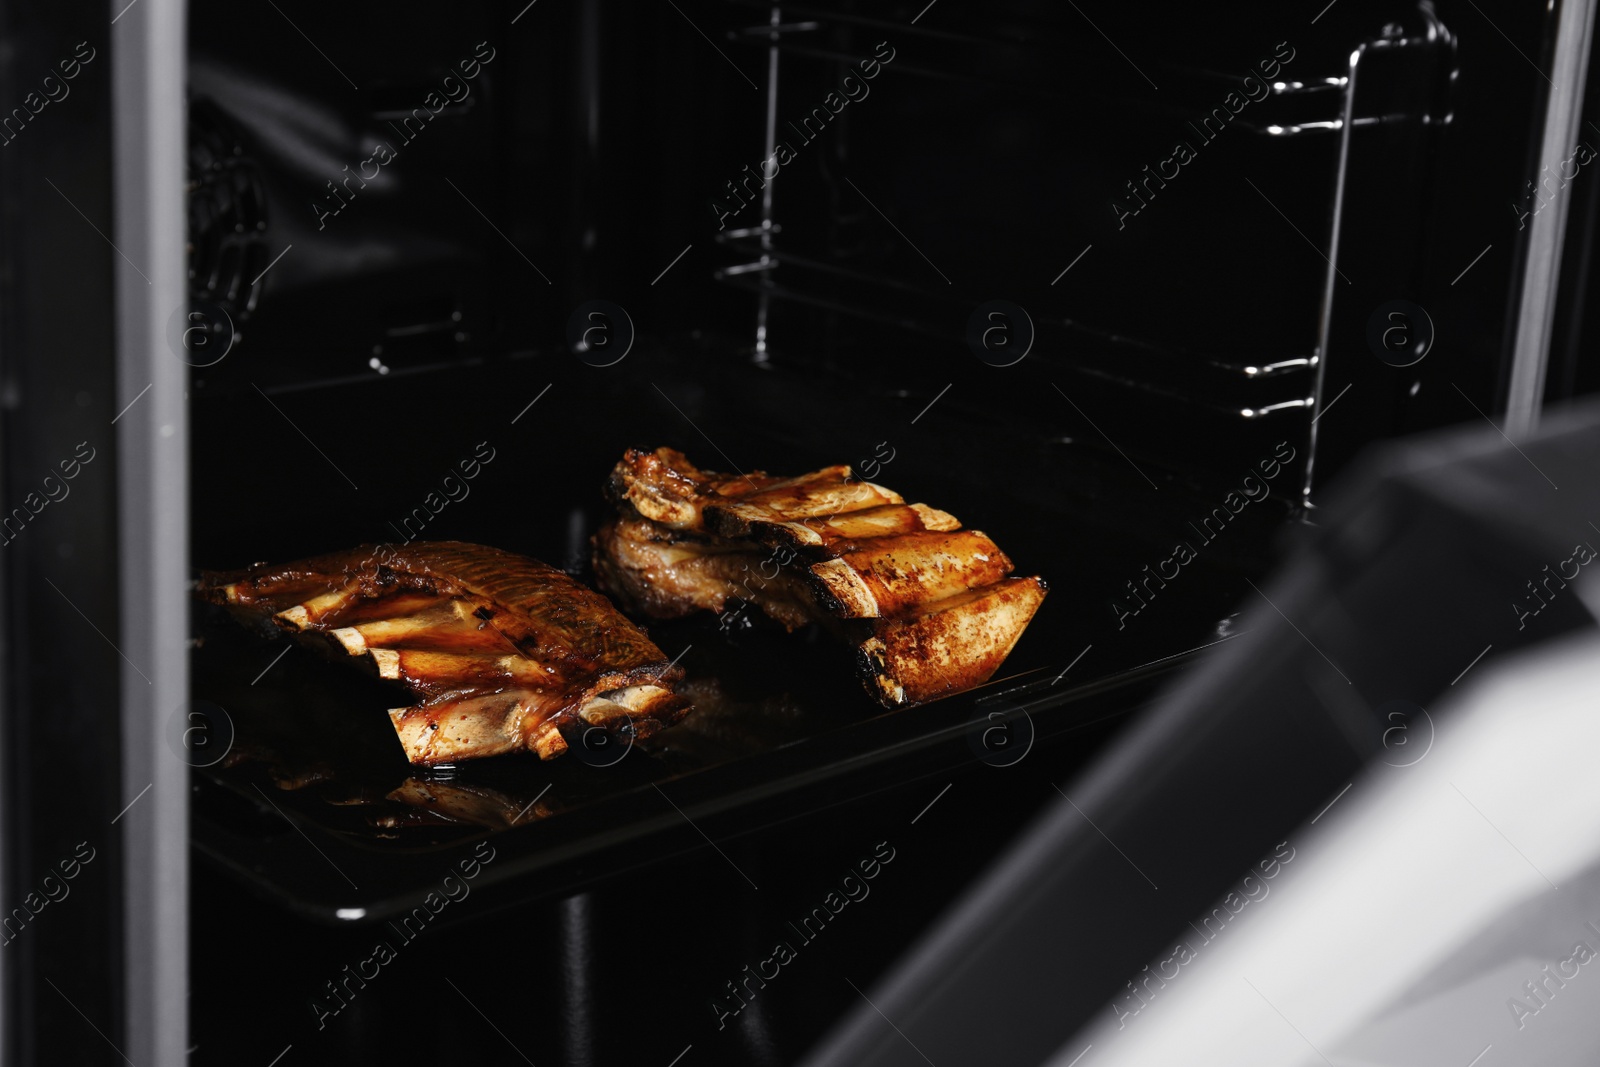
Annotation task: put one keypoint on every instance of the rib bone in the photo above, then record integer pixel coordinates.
(503, 650)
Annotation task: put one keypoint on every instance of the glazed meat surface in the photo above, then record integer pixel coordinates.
(500, 651)
(928, 606)
(659, 573)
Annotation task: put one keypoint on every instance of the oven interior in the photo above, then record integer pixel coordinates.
(396, 247)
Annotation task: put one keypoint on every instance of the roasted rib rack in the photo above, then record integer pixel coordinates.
(928, 606)
(500, 651)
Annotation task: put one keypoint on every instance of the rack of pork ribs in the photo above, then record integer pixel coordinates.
(929, 608)
(500, 652)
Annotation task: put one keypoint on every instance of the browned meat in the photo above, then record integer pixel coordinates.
(665, 487)
(656, 572)
(502, 650)
(950, 645)
(927, 604)
(885, 521)
(813, 496)
(882, 577)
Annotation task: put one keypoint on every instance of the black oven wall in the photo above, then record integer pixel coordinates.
(60, 784)
(1197, 241)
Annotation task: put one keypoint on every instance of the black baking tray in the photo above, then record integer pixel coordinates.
(315, 806)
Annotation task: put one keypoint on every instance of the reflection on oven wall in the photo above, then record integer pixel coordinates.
(330, 201)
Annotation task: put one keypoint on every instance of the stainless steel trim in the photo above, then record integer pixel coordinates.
(1547, 230)
(1331, 279)
(764, 301)
(148, 120)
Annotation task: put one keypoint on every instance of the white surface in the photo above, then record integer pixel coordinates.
(1397, 934)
